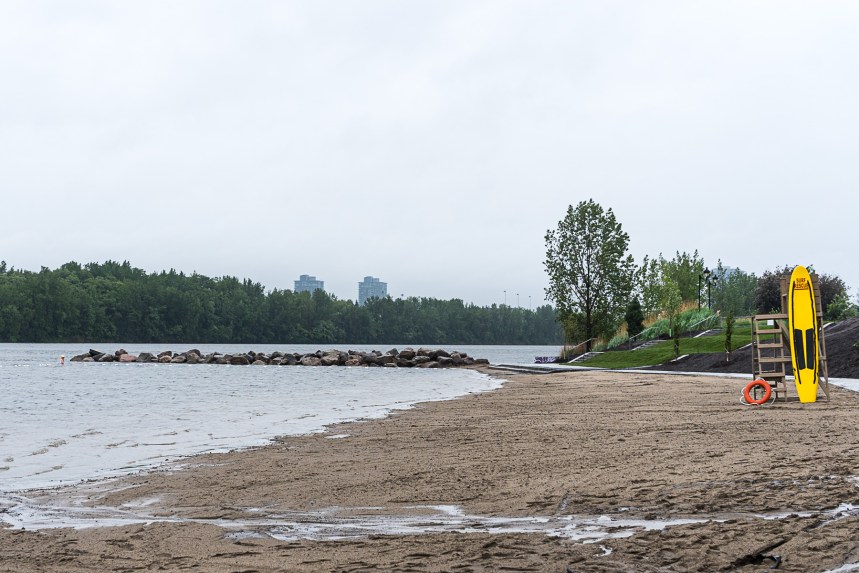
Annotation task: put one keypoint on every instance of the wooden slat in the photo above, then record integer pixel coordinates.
(765, 331)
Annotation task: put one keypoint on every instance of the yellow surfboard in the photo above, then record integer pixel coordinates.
(802, 325)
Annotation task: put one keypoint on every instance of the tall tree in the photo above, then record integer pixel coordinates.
(671, 303)
(685, 269)
(590, 273)
(768, 292)
(735, 292)
(649, 284)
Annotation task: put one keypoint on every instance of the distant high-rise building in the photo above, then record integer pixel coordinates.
(371, 287)
(307, 283)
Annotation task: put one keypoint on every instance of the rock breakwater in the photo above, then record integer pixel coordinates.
(406, 358)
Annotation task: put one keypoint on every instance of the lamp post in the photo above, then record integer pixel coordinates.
(517, 300)
(710, 283)
(505, 298)
(706, 277)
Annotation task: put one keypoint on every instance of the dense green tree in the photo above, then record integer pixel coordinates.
(841, 308)
(590, 273)
(634, 318)
(671, 304)
(734, 292)
(649, 284)
(685, 271)
(768, 292)
(115, 302)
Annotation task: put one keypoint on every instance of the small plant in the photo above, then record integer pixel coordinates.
(729, 332)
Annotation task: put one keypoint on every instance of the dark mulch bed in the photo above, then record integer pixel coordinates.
(843, 356)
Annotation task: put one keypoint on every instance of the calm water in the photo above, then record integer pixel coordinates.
(60, 424)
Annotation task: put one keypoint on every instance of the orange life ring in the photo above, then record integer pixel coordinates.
(747, 392)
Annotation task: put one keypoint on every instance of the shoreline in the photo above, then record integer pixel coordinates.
(109, 432)
(549, 448)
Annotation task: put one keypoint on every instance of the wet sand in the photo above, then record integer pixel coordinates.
(545, 450)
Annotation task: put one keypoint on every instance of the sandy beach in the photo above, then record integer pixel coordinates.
(574, 471)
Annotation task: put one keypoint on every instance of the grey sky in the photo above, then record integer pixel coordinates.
(430, 143)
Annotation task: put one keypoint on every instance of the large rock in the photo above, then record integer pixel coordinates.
(332, 359)
(406, 358)
(258, 363)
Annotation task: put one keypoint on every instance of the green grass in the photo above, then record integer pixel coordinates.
(664, 351)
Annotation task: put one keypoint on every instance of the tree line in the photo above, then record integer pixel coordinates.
(115, 302)
(595, 283)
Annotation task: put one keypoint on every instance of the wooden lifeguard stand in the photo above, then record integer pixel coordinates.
(771, 344)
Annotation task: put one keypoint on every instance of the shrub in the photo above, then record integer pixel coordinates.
(634, 318)
(841, 308)
(616, 341)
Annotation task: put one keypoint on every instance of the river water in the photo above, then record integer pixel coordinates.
(63, 424)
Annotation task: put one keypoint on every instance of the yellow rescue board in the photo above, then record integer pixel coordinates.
(802, 325)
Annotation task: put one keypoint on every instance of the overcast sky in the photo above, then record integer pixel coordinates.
(428, 143)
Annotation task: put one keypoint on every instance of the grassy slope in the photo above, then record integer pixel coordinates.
(664, 351)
